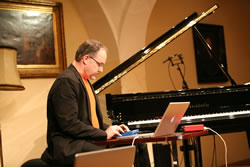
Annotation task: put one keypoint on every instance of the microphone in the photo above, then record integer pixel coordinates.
(169, 58)
(181, 58)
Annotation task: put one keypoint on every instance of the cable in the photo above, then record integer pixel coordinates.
(134, 140)
(170, 77)
(184, 73)
(225, 145)
(172, 153)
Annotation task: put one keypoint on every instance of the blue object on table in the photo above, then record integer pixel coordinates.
(131, 132)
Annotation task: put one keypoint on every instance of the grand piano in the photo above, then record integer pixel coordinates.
(225, 109)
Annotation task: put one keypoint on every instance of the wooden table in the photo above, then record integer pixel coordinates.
(174, 137)
(177, 136)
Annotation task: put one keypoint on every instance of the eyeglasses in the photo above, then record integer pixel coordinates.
(98, 63)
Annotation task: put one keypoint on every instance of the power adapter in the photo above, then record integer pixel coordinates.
(193, 128)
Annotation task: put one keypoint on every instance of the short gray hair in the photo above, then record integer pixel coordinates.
(90, 47)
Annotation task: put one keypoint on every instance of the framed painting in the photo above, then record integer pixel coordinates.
(36, 30)
(207, 69)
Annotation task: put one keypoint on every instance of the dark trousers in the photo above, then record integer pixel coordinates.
(142, 157)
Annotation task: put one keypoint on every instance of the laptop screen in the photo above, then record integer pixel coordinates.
(112, 157)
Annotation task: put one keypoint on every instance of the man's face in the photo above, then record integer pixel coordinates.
(95, 64)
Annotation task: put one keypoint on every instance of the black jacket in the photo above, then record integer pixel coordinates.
(69, 119)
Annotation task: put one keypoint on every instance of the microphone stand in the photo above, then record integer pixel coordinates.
(221, 66)
(184, 83)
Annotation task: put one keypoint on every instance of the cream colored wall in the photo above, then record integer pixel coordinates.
(23, 114)
(23, 121)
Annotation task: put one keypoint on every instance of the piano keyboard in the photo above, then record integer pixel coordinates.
(198, 118)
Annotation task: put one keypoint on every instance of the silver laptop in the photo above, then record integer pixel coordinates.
(112, 157)
(169, 122)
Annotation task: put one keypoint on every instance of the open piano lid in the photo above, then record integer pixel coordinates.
(149, 50)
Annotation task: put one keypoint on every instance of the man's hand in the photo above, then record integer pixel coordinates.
(116, 130)
(124, 127)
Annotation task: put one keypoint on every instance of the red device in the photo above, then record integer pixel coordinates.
(193, 128)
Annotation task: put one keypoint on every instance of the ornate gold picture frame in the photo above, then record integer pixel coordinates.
(36, 30)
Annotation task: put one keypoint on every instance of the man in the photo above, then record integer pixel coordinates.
(73, 112)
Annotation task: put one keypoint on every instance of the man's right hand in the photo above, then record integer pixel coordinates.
(114, 131)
